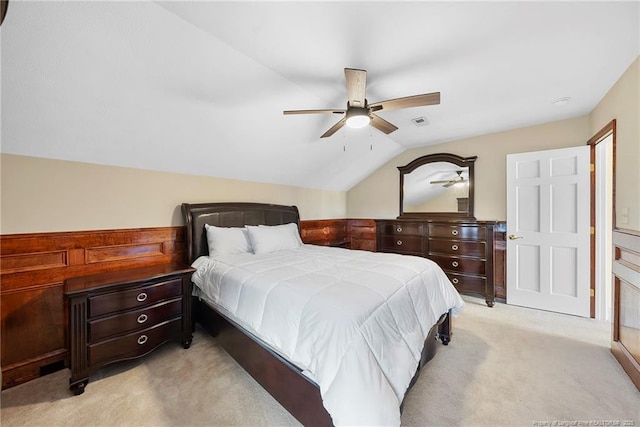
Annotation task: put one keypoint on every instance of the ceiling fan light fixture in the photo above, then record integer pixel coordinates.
(358, 117)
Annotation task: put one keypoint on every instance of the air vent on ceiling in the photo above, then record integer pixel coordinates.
(420, 121)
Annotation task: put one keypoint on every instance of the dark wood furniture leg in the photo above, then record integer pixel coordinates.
(444, 329)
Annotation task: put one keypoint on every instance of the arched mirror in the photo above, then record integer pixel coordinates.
(437, 186)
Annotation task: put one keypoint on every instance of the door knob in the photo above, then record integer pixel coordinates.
(514, 237)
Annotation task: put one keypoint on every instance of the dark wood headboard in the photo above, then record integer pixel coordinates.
(230, 215)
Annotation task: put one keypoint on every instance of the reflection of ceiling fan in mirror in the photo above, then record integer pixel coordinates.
(360, 113)
(449, 182)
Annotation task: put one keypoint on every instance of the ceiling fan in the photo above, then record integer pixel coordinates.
(360, 113)
(449, 182)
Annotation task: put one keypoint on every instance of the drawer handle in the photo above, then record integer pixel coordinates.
(142, 339)
(454, 247)
(455, 281)
(142, 318)
(455, 263)
(399, 243)
(454, 232)
(399, 229)
(141, 297)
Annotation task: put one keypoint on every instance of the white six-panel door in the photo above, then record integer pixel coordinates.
(548, 211)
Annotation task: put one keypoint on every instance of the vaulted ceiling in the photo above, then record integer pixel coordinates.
(199, 87)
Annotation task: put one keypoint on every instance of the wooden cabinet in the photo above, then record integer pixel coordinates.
(466, 251)
(125, 314)
(625, 341)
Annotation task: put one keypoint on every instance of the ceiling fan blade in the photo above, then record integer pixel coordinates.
(382, 125)
(407, 101)
(314, 111)
(446, 181)
(449, 184)
(334, 128)
(356, 86)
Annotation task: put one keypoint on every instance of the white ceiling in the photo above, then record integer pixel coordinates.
(199, 87)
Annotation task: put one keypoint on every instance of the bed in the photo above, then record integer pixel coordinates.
(236, 299)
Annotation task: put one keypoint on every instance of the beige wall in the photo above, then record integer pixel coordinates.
(377, 196)
(622, 103)
(42, 195)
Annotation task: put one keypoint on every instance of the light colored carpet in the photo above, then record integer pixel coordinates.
(505, 366)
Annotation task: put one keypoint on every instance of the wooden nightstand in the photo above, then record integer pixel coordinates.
(124, 315)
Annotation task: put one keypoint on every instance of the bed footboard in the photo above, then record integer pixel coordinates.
(284, 381)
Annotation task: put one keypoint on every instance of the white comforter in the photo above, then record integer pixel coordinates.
(354, 321)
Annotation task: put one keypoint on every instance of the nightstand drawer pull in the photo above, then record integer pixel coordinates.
(399, 229)
(142, 339)
(455, 281)
(454, 247)
(142, 318)
(454, 232)
(141, 296)
(455, 263)
(399, 243)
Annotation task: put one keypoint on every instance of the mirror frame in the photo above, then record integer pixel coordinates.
(440, 157)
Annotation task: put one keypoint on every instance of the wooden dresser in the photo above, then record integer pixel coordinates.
(125, 314)
(471, 253)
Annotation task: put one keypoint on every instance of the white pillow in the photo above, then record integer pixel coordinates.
(270, 238)
(227, 240)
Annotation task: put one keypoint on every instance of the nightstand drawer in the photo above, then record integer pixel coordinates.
(463, 265)
(133, 344)
(132, 320)
(401, 244)
(469, 232)
(124, 300)
(456, 247)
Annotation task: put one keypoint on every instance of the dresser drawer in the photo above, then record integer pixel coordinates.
(467, 232)
(456, 247)
(463, 265)
(401, 244)
(135, 319)
(468, 284)
(401, 228)
(133, 298)
(134, 344)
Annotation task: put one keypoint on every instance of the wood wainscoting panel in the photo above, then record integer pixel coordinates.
(348, 233)
(34, 261)
(33, 268)
(500, 260)
(325, 232)
(114, 253)
(33, 329)
(362, 234)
